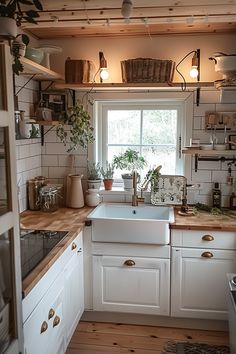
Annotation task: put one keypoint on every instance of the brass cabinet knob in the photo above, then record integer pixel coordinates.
(129, 263)
(207, 238)
(44, 327)
(56, 321)
(207, 254)
(74, 246)
(51, 313)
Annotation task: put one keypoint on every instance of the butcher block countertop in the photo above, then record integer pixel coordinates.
(64, 219)
(73, 220)
(206, 221)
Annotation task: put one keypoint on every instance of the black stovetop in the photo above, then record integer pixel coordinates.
(35, 246)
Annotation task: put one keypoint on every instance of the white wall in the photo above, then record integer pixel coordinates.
(173, 47)
(55, 160)
(28, 151)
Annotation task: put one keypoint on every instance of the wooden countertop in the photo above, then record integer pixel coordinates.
(64, 219)
(205, 221)
(67, 219)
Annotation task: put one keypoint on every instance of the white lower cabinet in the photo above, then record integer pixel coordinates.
(73, 288)
(53, 308)
(132, 283)
(44, 329)
(198, 275)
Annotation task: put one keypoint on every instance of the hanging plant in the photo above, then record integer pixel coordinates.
(81, 131)
(13, 9)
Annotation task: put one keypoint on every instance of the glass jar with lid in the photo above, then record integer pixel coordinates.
(49, 198)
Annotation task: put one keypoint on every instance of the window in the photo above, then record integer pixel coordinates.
(155, 129)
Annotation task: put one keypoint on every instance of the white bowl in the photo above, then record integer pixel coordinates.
(206, 147)
(220, 147)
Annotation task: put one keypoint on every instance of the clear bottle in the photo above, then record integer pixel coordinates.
(216, 196)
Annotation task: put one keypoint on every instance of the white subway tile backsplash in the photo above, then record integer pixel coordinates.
(201, 176)
(50, 160)
(203, 108)
(209, 96)
(219, 176)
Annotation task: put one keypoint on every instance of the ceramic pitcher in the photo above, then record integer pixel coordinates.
(76, 197)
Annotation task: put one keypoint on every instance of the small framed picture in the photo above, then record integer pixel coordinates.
(232, 142)
(56, 101)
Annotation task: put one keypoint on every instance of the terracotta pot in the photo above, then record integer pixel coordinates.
(108, 184)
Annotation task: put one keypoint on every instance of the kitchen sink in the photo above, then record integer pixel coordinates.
(127, 224)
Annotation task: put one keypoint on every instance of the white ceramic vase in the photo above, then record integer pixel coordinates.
(92, 197)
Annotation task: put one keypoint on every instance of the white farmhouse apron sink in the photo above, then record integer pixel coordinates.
(128, 224)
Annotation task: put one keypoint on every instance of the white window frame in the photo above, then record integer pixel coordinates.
(183, 100)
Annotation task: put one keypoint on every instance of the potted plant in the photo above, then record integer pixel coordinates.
(130, 161)
(94, 175)
(81, 131)
(107, 174)
(12, 15)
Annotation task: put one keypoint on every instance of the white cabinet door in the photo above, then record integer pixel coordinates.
(74, 287)
(198, 282)
(138, 285)
(45, 326)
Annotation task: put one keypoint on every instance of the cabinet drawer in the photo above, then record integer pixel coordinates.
(74, 247)
(203, 239)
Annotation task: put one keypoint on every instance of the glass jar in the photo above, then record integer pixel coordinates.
(92, 197)
(49, 198)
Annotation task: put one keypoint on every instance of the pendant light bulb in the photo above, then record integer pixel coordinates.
(126, 8)
(104, 74)
(193, 72)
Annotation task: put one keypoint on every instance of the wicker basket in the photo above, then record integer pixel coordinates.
(147, 70)
(78, 71)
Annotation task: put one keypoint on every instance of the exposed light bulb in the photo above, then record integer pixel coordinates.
(193, 72)
(104, 74)
(126, 8)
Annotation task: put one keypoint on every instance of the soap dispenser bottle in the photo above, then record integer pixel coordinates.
(216, 196)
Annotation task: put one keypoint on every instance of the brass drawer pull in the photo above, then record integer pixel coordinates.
(44, 327)
(207, 254)
(56, 321)
(129, 263)
(207, 238)
(51, 313)
(74, 246)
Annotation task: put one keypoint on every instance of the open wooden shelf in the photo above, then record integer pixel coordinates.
(41, 72)
(136, 86)
(47, 122)
(208, 152)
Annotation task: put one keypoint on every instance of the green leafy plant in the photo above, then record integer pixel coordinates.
(130, 161)
(81, 131)
(20, 11)
(94, 170)
(108, 171)
(13, 9)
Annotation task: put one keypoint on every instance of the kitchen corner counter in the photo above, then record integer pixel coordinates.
(64, 219)
(205, 221)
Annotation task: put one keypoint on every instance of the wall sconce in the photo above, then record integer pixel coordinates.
(195, 68)
(104, 74)
(126, 8)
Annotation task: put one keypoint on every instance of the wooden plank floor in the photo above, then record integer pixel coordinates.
(108, 338)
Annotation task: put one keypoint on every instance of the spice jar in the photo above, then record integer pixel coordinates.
(49, 198)
(92, 197)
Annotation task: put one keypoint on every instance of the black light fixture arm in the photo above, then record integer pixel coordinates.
(197, 61)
